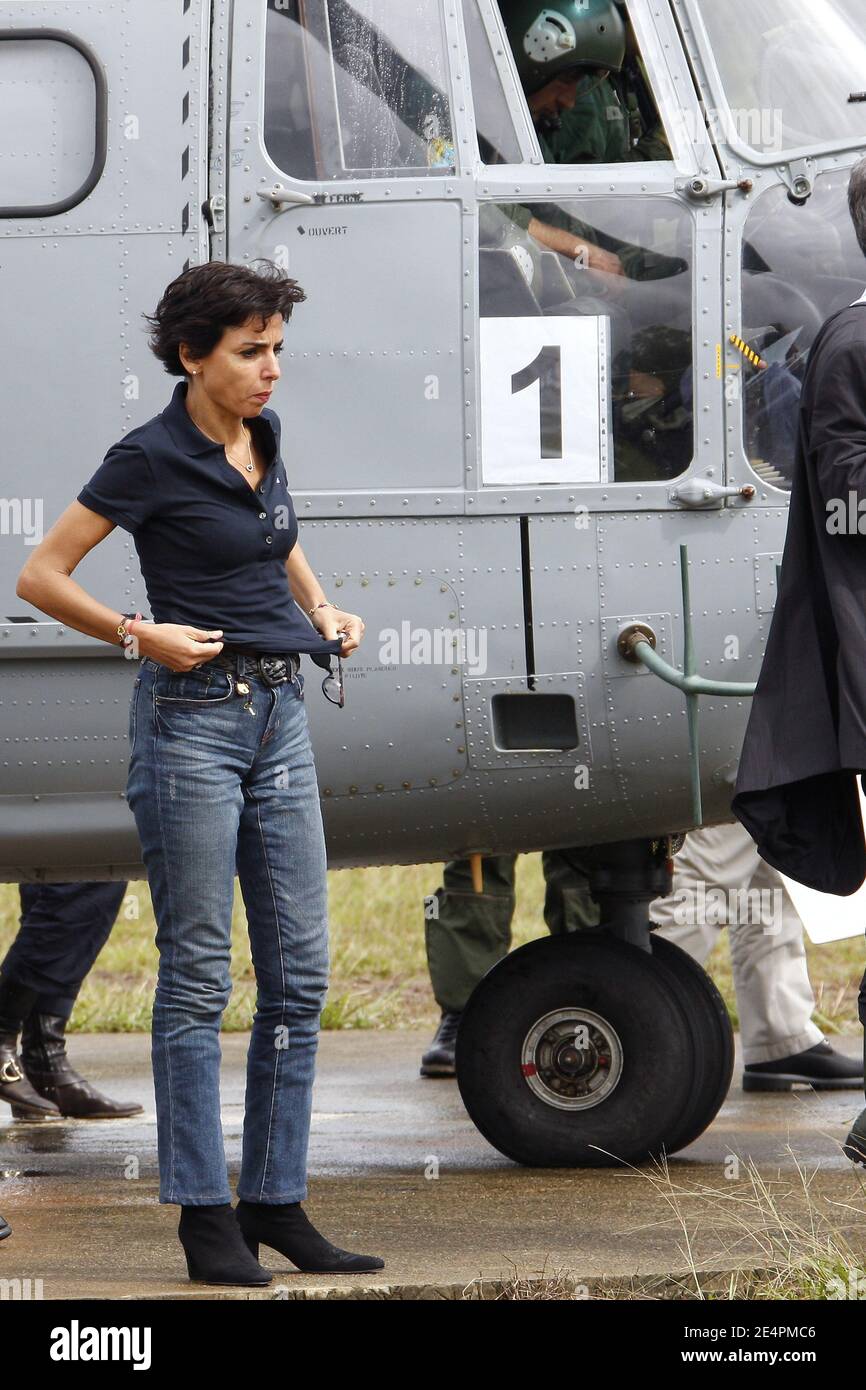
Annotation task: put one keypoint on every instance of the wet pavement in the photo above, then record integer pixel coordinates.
(397, 1168)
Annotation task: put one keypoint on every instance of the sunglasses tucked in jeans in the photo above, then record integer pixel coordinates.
(223, 783)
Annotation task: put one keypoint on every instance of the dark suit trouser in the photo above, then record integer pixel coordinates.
(473, 930)
(64, 926)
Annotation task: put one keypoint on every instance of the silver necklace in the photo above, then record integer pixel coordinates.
(250, 467)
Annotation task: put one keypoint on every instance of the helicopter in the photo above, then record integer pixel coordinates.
(557, 493)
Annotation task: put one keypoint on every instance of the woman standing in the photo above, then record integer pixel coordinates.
(221, 774)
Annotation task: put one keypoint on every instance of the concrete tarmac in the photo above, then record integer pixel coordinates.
(398, 1169)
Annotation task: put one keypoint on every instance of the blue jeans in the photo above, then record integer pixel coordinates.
(217, 790)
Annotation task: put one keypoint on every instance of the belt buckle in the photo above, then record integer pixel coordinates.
(273, 670)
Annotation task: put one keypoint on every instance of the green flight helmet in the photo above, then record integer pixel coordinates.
(549, 40)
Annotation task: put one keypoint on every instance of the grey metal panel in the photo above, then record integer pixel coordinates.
(483, 751)
(370, 396)
(157, 128)
(491, 592)
(63, 724)
(765, 580)
(48, 131)
(648, 723)
(74, 837)
(69, 409)
(564, 565)
(401, 725)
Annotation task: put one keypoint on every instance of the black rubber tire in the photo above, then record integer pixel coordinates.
(713, 1041)
(624, 985)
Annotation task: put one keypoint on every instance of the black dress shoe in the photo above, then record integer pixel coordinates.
(287, 1229)
(819, 1067)
(215, 1249)
(5, 1229)
(44, 1059)
(438, 1060)
(16, 1001)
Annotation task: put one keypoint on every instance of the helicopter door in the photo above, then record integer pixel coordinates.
(342, 170)
(782, 87)
(589, 276)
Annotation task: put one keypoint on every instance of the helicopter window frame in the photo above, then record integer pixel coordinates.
(711, 79)
(509, 297)
(490, 17)
(687, 135)
(322, 105)
(499, 53)
(100, 112)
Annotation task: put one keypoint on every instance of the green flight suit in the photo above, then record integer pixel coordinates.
(604, 126)
(473, 930)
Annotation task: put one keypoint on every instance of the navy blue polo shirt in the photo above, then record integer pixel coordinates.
(212, 549)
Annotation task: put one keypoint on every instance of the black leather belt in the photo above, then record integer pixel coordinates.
(273, 669)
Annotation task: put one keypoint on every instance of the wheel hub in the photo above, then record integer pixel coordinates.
(572, 1059)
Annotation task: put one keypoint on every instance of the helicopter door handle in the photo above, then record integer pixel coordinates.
(702, 492)
(702, 188)
(279, 195)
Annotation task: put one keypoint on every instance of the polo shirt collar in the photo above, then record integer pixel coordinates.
(190, 439)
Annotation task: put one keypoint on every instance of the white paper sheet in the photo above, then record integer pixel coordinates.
(544, 400)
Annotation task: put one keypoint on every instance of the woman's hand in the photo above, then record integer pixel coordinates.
(332, 622)
(176, 645)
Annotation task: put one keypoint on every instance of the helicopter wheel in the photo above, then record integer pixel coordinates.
(575, 1051)
(713, 1041)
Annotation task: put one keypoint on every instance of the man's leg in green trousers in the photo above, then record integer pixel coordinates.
(469, 932)
(568, 903)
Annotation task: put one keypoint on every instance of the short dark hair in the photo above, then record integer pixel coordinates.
(206, 299)
(857, 202)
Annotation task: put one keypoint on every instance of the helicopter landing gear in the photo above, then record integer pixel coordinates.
(587, 1051)
(712, 1041)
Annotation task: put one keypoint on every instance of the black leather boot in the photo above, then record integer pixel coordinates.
(215, 1249)
(287, 1229)
(5, 1229)
(43, 1056)
(16, 1002)
(438, 1060)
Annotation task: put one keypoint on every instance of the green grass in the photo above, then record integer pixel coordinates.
(379, 975)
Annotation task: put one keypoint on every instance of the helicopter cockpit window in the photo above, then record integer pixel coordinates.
(624, 264)
(497, 139)
(356, 89)
(801, 262)
(587, 89)
(789, 69)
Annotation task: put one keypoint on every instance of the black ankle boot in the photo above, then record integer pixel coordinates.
(215, 1249)
(288, 1230)
(16, 1001)
(48, 1069)
(438, 1060)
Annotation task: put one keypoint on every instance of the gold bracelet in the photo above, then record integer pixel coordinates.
(311, 611)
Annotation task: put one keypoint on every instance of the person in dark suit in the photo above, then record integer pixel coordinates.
(805, 743)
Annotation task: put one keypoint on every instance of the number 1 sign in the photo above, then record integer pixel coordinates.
(545, 413)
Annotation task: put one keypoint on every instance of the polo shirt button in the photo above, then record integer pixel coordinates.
(263, 516)
(269, 539)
